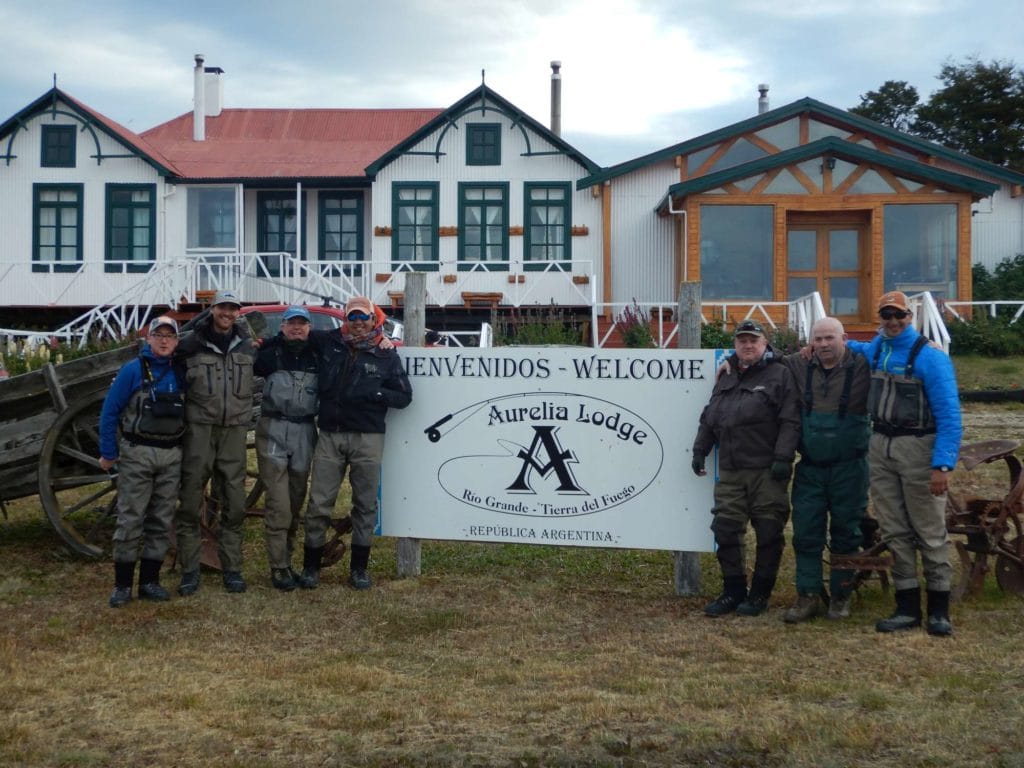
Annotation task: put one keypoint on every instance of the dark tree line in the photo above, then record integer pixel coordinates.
(978, 110)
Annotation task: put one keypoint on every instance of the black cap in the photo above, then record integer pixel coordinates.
(748, 327)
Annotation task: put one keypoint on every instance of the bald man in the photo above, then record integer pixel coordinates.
(830, 487)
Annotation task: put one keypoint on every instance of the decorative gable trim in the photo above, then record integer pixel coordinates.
(825, 148)
(56, 102)
(482, 100)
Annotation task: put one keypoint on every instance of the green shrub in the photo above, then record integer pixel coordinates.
(539, 327)
(1006, 281)
(714, 335)
(785, 340)
(984, 335)
(635, 327)
(19, 358)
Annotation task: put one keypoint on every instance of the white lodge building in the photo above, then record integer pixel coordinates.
(294, 205)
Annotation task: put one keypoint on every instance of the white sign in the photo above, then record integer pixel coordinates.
(550, 445)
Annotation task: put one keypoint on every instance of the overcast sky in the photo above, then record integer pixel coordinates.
(638, 75)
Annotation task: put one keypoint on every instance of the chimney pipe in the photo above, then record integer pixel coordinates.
(762, 101)
(556, 98)
(199, 100)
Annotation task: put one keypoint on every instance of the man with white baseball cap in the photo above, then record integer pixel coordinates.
(218, 359)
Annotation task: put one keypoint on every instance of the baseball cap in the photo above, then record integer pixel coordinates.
(170, 322)
(360, 304)
(292, 312)
(896, 299)
(748, 327)
(226, 296)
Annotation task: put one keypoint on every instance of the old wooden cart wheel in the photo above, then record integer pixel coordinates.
(79, 498)
(1010, 566)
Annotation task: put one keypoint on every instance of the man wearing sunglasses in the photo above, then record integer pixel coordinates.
(360, 377)
(915, 412)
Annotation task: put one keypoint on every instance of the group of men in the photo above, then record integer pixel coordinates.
(184, 410)
(883, 413)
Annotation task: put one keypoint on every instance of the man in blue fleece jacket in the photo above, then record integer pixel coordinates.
(146, 401)
(915, 442)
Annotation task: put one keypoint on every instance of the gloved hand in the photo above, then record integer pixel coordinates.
(780, 470)
(697, 464)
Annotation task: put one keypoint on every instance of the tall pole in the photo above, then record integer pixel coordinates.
(686, 571)
(407, 553)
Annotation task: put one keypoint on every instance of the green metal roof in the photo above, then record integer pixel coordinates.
(471, 102)
(827, 114)
(840, 148)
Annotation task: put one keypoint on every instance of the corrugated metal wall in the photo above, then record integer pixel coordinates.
(643, 245)
(997, 229)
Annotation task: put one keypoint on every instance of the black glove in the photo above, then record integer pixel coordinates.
(780, 470)
(697, 464)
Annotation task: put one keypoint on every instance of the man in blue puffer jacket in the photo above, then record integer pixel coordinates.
(915, 411)
(146, 401)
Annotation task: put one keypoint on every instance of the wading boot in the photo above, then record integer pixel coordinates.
(757, 601)
(907, 614)
(806, 607)
(189, 583)
(124, 575)
(839, 606)
(938, 614)
(734, 592)
(359, 577)
(149, 581)
(312, 557)
(283, 579)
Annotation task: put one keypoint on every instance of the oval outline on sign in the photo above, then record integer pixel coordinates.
(518, 504)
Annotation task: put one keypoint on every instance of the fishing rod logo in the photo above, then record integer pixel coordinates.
(545, 454)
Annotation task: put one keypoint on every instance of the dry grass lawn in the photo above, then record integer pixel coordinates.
(497, 655)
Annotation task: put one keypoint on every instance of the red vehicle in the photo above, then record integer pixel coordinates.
(324, 319)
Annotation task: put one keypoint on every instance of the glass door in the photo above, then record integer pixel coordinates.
(829, 259)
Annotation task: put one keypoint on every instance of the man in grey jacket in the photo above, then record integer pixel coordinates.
(285, 437)
(218, 359)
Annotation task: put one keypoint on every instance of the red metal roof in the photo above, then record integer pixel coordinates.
(122, 133)
(285, 143)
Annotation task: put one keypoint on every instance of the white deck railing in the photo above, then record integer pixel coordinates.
(992, 308)
(801, 314)
(122, 301)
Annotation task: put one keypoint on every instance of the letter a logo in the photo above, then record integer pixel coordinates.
(545, 442)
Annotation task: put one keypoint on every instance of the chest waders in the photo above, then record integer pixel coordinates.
(829, 494)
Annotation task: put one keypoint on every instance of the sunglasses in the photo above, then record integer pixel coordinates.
(358, 316)
(892, 314)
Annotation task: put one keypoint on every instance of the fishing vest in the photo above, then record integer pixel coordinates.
(290, 395)
(154, 418)
(897, 403)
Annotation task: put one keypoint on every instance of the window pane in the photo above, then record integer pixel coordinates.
(801, 286)
(211, 217)
(921, 248)
(842, 249)
(802, 250)
(736, 251)
(843, 296)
